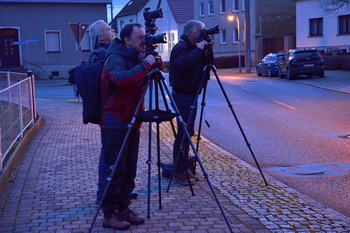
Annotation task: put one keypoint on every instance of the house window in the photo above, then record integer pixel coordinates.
(235, 5)
(160, 47)
(131, 21)
(235, 36)
(222, 6)
(316, 27)
(210, 8)
(121, 25)
(223, 37)
(53, 41)
(171, 41)
(201, 9)
(344, 24)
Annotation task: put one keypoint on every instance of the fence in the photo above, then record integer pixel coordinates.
(17, 109)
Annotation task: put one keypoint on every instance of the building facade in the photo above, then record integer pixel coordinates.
(271, 26)
(327, 32)
(35, 34)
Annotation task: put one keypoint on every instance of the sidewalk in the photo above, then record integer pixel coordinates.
(336, 80)
(53, 188)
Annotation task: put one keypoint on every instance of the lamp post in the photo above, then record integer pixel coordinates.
(232, 18)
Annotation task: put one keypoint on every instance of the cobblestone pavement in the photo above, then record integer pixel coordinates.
(53, 187)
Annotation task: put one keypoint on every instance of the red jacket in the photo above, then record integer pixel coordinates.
(122, 85)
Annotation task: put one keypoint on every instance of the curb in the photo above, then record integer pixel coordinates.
(17, 154)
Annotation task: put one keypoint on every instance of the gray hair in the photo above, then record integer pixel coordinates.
(95, 30)
(191, 25)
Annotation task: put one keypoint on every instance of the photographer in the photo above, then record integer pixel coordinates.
(122, 77)
(186, 63)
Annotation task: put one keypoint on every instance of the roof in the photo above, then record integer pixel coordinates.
(132, 7)
(60, 1)
(182, 10)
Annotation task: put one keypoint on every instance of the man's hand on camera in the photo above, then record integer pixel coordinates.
(202, 45)
(150, 59)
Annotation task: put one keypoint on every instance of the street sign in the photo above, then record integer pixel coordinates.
(32, 40)
(19, 42)
(78, 30)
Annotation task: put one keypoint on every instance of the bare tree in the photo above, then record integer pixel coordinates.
(333, 6)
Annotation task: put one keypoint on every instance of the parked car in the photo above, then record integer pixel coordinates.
(269, 64)
(301, 62)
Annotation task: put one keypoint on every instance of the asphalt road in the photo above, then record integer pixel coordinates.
(295, 132)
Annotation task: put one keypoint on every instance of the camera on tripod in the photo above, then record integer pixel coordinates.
(152, 40)
(207, 32)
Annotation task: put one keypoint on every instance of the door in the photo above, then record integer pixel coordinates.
(9, 53)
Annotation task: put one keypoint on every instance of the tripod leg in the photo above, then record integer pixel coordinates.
(201, 118)
(180, 154)
(149, 153)
(121, 151)
(156, 85)
(187, 135)
(239, 125)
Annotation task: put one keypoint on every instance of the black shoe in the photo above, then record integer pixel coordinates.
(130, 216)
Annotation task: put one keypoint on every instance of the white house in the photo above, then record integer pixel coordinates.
(329, 32)
(175, 14)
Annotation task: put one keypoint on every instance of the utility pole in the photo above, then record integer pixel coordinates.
(247, 43)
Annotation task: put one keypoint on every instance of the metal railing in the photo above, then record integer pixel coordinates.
(17, 110)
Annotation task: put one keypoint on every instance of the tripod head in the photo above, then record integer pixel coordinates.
(205, 34)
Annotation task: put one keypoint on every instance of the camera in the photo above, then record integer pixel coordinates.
(151, 40)
(149, 15)
(206, 32)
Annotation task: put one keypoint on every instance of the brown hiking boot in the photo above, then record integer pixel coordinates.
(192, 176)
(116, 223)
(182, 179)
(130, 216)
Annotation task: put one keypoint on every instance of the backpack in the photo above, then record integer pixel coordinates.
(87, 79)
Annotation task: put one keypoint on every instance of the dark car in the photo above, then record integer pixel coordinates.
(269, 64)
(301, 62)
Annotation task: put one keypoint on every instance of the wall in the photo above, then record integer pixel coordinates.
(33, 19)
(309, 9)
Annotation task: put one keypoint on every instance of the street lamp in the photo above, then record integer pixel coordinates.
(232, 18)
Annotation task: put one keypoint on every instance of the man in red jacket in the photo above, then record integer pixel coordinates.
(122, 80)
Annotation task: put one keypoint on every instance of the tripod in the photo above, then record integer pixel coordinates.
(203, 85)
(157, 116)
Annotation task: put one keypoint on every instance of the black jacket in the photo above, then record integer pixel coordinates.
(185, 67)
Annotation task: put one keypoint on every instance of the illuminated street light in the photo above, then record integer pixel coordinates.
(232, 18)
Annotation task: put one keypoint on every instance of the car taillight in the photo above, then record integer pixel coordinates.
(294, 60)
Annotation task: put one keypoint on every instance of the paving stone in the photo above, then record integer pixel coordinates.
(54, 187)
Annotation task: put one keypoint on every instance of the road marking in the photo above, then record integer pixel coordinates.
(285, 105)
(246, 89)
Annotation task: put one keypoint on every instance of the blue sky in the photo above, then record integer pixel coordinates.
(117, 6)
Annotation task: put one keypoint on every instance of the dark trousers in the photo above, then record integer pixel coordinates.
(184, 103)
(123, 181)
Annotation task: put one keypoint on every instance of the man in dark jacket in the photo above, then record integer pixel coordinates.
(186, 64)
(122, 80)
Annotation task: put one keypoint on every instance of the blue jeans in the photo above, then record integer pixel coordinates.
(184, 103)
(123, 182)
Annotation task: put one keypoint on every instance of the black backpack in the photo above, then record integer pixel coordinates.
(87, 79)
